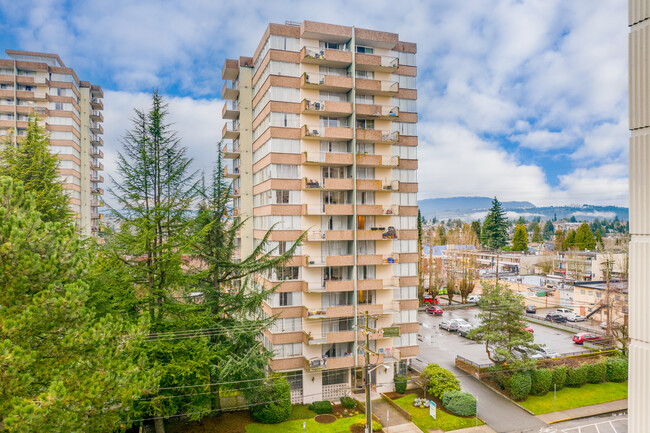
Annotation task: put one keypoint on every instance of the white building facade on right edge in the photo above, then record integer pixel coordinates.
(639, 283)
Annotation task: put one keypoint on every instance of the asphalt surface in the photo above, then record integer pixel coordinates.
(600, 424)
(441, 347)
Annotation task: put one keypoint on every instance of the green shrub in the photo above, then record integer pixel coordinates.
(438, 380)
(519, 385)
(400, 384)
(616, 369)
(348, 402)
(277, 391)
(459, 402)
(362, 423)
(321, 407)
(577, 376)
(559, 377)
(597, 372)
(542, 380)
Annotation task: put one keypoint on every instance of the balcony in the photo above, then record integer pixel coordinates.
(328, 209)
(316, 314)
(96, 104)
(377, 160)
(315, 339)
(377, 136)
(328, 184)
(369, 209)
(371, 62)
(97, 167)
(96, 153)
(230, 110)
(369, 185)
(374, 234)
(377, 87)
(230, 175)
(327, 158)
(230, 90)
(390, 185)
(326, 133)
(96, 128)
(230, 151)
(230, 130)
(96, 116)
(334, 83)
(97, 179)
(326, 107)
(230, 69)
(97, 191)
(317, 56)
(96, 140)
(329, 235)
(367, 111)
(390, 210)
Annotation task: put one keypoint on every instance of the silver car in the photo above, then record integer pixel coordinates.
(449, 325)
(547, 353)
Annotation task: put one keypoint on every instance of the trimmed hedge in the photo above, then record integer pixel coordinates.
(542, 380)
(400, 384)
(576, 377)
(321, 407)
(616, 369)
(271, 403)
(348, 402)
(559, 377)
(438, 380)
(459, 402)
(597, 372)
(519, 385)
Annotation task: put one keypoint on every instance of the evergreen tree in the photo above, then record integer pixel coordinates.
(569, 241)
(32, 163)
(231, 297)
(476, 226)
(560, 237)
(494, 234)
(548, 231)
(153, 198)
(537, 234)
(520, 220)
(520, 238)
(502, 323)
(62, 368)
(584, 238)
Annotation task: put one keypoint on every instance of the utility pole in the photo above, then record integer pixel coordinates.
(608, 264)
(367, 330)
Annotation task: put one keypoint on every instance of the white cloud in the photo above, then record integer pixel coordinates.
(543, 140)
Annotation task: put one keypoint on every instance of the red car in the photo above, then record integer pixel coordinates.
(436, 311)
(529, 329)
(585, 336)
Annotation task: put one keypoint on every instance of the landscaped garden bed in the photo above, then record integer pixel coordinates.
(569, 398)
(444, 420)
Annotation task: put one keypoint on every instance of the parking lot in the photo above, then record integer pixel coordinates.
(443, 346)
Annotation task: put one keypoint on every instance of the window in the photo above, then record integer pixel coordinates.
(406, 82)
(409, 105)
(289, 324)
(366, 272)
(365, 50)
(365, 99)
(285, 299)
(295, 379)
(365, 197)
(366, 123)
(324, 45)
(329, 70)
(58, 105)
(406, 128)
(368, 75)
(365, 172)
(367, 148)
(335, 377)
(286, 273)
(407, 59)
(365, 247)
(408, 339)
(276, 145)
(288, 350)
(327, 121)
(334, 146)
(334, 96)
(405, 152)
(582, 291)
(334, 172)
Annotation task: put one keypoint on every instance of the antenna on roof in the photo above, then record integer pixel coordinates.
(292, 23)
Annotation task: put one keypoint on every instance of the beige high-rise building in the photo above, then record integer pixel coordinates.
(322, 135)
(71, 112)
(639, 280)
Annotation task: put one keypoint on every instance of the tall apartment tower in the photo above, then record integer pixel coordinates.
(323, 121)
(639, 282)
(71, 112)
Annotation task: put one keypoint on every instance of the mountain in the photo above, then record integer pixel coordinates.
(472, 208)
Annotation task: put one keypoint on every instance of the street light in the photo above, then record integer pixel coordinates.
(368, 400)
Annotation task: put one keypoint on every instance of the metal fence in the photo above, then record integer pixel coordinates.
(567, 326)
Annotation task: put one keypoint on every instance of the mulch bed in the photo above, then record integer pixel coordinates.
(394, 395)
(340, 412)
(325, 418)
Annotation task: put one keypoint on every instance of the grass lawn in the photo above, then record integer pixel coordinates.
(569, 398)
(339, 426)
(301, 411)
(424, 421)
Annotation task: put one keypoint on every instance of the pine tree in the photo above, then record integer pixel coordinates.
(494, 234)
(537, 234)
(584, 238)
(62, 367)
(569, 241)
(548, 231)
(560, 237)
(476, 226)
(502, 323)
(231, 297)
(32, 163)
(520, 238)
(153, 198)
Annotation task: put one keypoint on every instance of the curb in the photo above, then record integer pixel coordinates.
(607, 412)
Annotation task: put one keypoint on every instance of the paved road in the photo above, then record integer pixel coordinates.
(599, 424)
(440, 347)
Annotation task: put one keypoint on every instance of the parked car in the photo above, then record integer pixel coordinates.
(603, 325)
(548, 353)
(473, 298)
(529, 329)
(531, 309)
(464, 330)
(585, 336)
(460, 322)
(436, 311)
(555, 318)
(521, 352)
(449, 325)
(575, 318)
(564, 311)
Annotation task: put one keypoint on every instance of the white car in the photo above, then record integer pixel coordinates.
(473, 298)
(547, 353)
(564, 311)
(575, 318)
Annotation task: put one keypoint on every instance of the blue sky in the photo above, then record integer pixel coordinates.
(526, 100)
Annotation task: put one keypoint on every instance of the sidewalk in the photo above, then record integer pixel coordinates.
(583, 412)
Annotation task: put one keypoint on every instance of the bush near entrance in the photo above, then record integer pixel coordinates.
(438, 380)
(321, 407)
(459, 402)
(348, 402)
(519, 385)
(400, 384)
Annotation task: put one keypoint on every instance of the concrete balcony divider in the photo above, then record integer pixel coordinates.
(325, 82)
(325, 57)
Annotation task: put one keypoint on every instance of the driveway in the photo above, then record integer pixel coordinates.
(440, 347)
